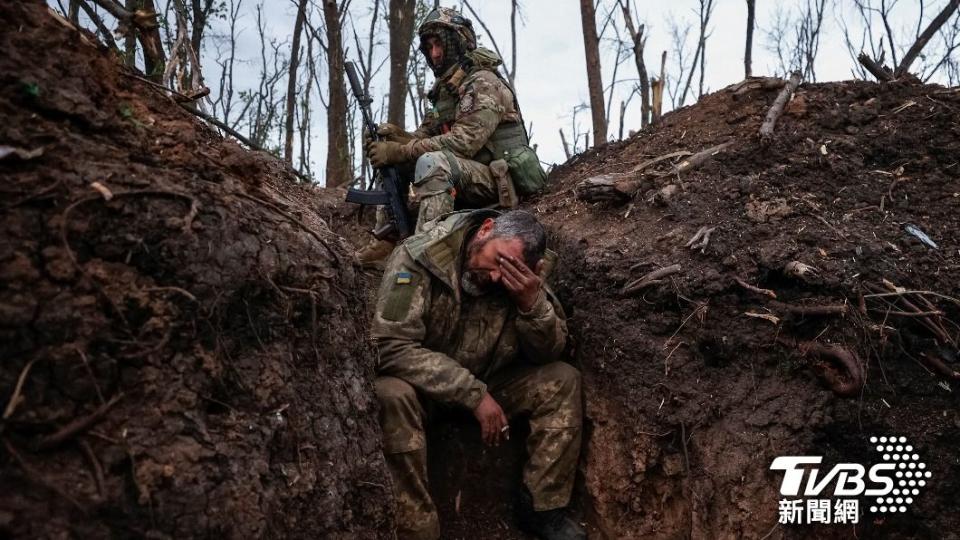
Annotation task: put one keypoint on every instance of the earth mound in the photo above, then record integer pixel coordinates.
(184, 339)
(756, 300)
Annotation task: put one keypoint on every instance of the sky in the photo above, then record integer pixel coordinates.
(551, 72)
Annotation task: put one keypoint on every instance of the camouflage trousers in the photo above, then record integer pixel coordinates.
(549, 394)
(441, 179)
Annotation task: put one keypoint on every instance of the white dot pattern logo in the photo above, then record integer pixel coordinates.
(909, 473)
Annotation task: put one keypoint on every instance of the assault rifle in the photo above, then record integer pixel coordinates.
(391, 196)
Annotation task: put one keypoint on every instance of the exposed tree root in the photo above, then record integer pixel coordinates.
(845, 383)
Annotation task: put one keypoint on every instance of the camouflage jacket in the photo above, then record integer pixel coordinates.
(468, 107)
(443, 342)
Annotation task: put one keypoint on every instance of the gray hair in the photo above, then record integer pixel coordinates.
(525, 227)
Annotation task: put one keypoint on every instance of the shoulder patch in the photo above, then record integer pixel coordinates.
(466, 103)
(396, 306)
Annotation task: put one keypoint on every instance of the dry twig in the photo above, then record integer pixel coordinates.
(651, 278)
(77, 426)
(16, 398)
(766, 129)
(701, 239)
(698, 159)
(811, 310)
(751, 288)
(95, 465)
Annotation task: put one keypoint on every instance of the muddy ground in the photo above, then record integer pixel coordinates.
(690, 398)
(184, 341)
(190, 327)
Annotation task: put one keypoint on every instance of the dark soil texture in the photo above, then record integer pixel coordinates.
(689, 398)
(190, 337)
(184, 329)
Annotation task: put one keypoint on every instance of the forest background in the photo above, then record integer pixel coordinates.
(585, 72)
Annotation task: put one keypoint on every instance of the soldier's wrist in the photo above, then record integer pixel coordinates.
(474, 396)
(537, 303)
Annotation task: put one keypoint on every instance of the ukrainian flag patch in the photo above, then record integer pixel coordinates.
(404, 278)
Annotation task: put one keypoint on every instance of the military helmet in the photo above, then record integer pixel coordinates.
(448, 19)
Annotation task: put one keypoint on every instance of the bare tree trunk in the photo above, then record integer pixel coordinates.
(292, 82)
(401, 22)
(658, 91)
(639, 41)
(591, 46)
(223, 105)
(144, 20)
(881, 72)
(201, 12)
(512, 74)
(566, 147)
(623, 112)
(149, 36)
(748, 50)
(130, 40)
(924, 38)
(183, 71)
(703, 67)
(105, 34)
(706, 10)
(73, 12)
(338, 170)
(305, 116)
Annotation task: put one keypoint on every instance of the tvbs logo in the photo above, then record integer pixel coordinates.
(893, 483)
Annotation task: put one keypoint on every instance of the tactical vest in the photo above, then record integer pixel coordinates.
(509, 136)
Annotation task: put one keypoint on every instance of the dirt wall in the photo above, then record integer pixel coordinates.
(184, 340)
(695, 383)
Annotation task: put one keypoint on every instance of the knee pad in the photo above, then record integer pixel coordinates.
(432, 173)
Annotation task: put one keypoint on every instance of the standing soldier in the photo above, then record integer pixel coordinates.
(472, 149)
(463, 318)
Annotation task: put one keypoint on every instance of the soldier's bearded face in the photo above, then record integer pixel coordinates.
(481, 272)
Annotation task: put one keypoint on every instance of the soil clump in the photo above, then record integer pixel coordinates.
(185, 331)
(696, 381)
(184, 339)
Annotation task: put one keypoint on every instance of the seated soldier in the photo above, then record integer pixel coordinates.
(463, 318)
(460, 153)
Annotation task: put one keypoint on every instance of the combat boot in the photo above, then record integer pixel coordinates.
(375, 254)
(546, 524)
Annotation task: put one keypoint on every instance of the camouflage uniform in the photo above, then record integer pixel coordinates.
(474, 113)
(439, 345)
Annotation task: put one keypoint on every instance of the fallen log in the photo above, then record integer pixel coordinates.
(697, 160)
(882, 73)
(621, 187)
(756, 83)
(766, 129)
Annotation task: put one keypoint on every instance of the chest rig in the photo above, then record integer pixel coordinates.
(445, 98)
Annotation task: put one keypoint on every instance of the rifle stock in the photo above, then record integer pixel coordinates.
(392, 196)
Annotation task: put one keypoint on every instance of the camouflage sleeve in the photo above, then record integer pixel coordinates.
(479, 112)
(399, 329)
(543, 329)
(428, 127)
